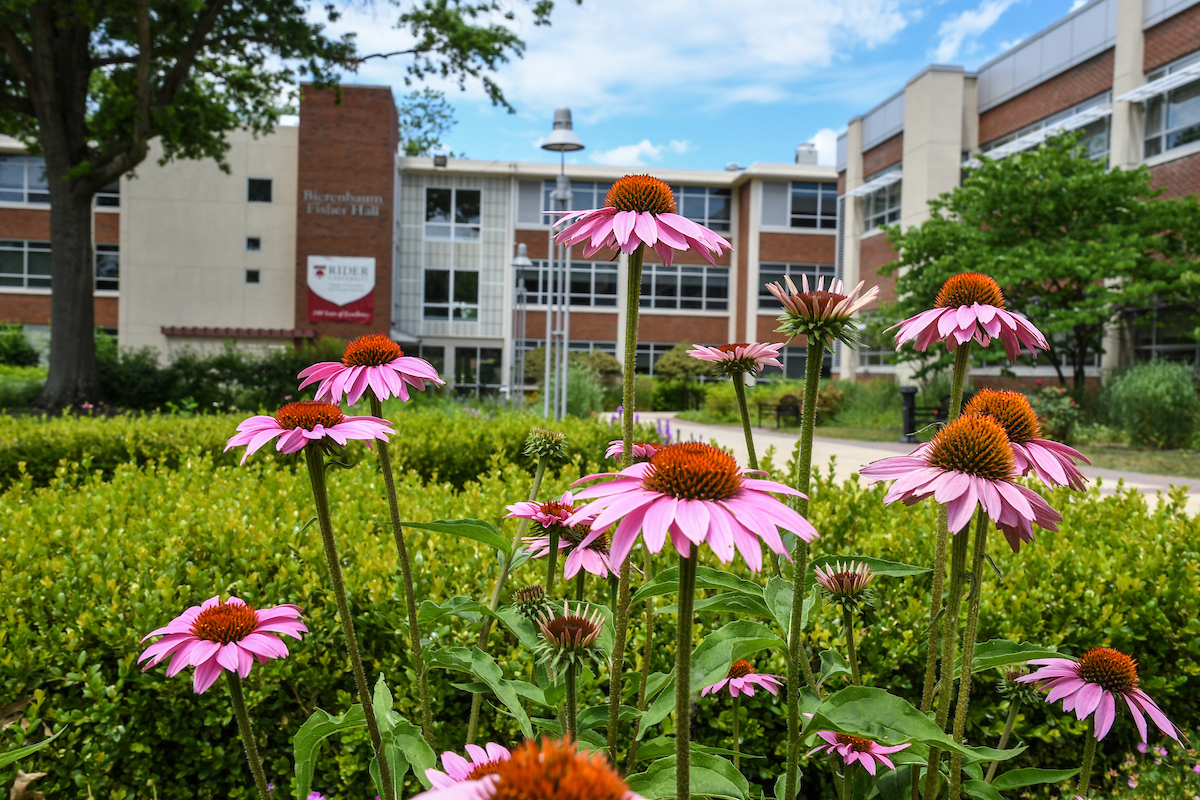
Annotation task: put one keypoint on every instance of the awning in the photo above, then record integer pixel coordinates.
(875, 184)
(1034, 138)
(1164, 84)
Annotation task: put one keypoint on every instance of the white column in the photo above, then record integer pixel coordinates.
(851, 232)
(750, 301)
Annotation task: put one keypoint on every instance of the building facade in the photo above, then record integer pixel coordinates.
(1124, 72)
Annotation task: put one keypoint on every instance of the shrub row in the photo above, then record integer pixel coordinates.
(94, 564)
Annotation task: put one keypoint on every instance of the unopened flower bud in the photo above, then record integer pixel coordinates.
(542, 443)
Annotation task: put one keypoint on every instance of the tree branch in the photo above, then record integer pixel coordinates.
(15, 104)
(111, 60)
(178, 74)
(411, 52)
(17, 54)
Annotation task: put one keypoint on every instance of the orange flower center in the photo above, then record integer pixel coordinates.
(740, 669)
(225, 623)
(974, 445)
(1011, 410)
(1110, 669)
(693, 471)
(967, 288)
(857, 743)
(732, 348)
(308, 414)
(372, 350)
(556, 509)
(556, 771)
(479, 770)
(575, 535)
(641, 193)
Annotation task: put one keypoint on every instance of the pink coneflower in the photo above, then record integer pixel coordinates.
(458, 769)
(372, 362)
(641, 450)
(215, 636)
(639, 210)
(733, 360)
(968, 464)
(856, 749)
(549, 770)
(696, 493)
(1093, 683)
(742, 679)
(592, 556)
(298, 424)
(554, 512)
(821, 314)
(1054, 463)
(970, 306)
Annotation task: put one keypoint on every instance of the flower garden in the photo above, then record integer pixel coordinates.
(353, 597)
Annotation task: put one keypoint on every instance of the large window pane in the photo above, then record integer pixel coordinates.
(1185, 106)
(437, 286)
(12, 264)
(12, 179)
(466, 363)
(108, 262)
(466, 287)
(466, 207)
(489, 366)
(39, 267)
(437, 205)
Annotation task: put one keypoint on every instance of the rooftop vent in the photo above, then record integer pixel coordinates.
(806, 153)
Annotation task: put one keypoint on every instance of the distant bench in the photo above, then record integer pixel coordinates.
(915, 417)
(788, 407)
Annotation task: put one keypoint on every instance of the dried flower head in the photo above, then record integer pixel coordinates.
(543, 443)
(571, 637)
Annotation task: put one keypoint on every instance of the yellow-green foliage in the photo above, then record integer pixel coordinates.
(91, 564)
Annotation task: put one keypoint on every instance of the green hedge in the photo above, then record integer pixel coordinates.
(91, 565)
(449, 444)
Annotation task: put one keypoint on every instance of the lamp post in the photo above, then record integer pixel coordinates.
(563, 140)
(516, 383)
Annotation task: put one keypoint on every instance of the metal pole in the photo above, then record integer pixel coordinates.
(548, 275)
(563, 186)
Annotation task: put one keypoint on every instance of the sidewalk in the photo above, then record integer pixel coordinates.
(850, 455)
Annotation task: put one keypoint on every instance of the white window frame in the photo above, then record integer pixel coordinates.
(110, 283)
(706, 193)
(24, 247)
(652, 350)
(28, 187)
(477, 386)
(651, 302)
(820, 221)
(767, 301)
(593, 269)
(891, 198)
(1160, 103)
(794, 361)
(456, 310)
(455, 231)
(584, 195)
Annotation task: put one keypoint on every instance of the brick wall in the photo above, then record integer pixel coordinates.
(797, 248)
(671, 328)
(34, 309)
(586, 326)
(24, 223)
(881, 156)
(1179, 178)
(349, 147)
(1172, 38)
(841, 183)
(874, 252)
(1062, 91)
(108, 228)
(767, 323)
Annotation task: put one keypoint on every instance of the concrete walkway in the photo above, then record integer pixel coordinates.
(850, 455)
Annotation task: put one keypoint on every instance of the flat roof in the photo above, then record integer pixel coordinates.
(548, 170)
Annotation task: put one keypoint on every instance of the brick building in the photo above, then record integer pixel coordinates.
(321, 229)
(1125, 72)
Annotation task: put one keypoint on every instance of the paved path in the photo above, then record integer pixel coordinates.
(850, 455)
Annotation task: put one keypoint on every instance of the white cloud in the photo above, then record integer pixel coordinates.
(635, 155)
(1078, 4)
(960, 32)
(826, 142)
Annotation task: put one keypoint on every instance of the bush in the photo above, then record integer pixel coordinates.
(15, 348)
(1057, 412)
(585, 395)
(19, 386)
(868, 404)
(98, 564)
(1155, 403)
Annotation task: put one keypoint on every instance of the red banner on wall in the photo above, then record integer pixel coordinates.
(341, 289)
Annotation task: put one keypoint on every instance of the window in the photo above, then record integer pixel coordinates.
(1172, 119)
(882, 207)
(110, 196)
(707, 205)
(253, 276)
(814, 205)
(435, 355)
(253, 244)
(452, 295)
(108, 267)
(648, 354)
(25, 264)
(452, 214)
(1166, 332)
(593, 283)
(259, 190)
(23, 179)
(584, 194)
(774, 273)
(477, 370)
(1095, 133)
(795, 362)
(685, 287)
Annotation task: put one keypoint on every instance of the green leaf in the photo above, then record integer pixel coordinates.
(597, 716)
(708, 776)
(663, 746)
(478, 663)
(890, 569)
(21, 752)
(478, 529)
(519, 626)
(466, 608)
(711, 662)
(1020, 778)
(1002, 653)
(874, 714)
(315, 730)
(980, 790)
(832, 663)
(406, 737)
(779, 600)
(667, 582)
(726, 601)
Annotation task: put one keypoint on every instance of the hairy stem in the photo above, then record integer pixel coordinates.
(851, 650)
(646, 654)
(982, 523)
(572, 704)
(1008, 729)
(737, 734)
(243, 718)
(579, 586)
(316, 474)
(1089, 755)
(414, 630)
(683, 675)
(739, 388)
(949, 641)
(552, 562)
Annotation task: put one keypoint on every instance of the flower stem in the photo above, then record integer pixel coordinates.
(797, 652)
(739, 389)
(982, 523)
(1089, 755)
(498, 590)
(646, 654)
(683, 675)
(633, 290)
(243, 718)
(572, 704)
(316, 474)
(1008, 729)
(949, 642)
(414, 630)
(851, 650)
(552, 561)
(579, 586)
(737, 735)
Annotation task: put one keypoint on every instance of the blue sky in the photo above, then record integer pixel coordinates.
(701, 83)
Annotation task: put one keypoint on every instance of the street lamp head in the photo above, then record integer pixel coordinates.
(562, 138)
(522, 259)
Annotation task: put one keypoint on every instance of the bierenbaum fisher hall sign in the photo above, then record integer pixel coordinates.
(346, 204)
